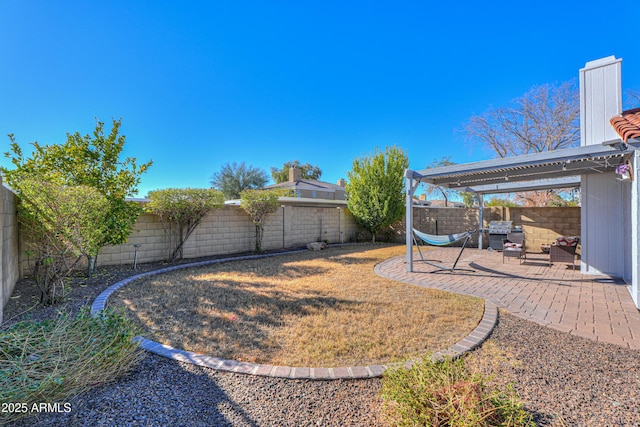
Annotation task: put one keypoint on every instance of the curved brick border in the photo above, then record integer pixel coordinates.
(471, 341)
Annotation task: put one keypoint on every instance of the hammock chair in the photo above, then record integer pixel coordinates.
(442, 240)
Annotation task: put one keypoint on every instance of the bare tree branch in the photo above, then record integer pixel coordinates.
(543, 119)
(632, 99)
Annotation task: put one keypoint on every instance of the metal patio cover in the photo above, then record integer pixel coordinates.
(549, 169)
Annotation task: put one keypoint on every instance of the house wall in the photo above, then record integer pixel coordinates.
(603, 227)
(321, 194)
(9, 251)
(627, 240)
(632, 231)
(600, 99)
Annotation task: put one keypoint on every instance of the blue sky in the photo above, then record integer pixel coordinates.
(200, 84)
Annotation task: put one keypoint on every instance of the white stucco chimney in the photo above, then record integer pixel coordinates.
(602, 195)
(600, 99)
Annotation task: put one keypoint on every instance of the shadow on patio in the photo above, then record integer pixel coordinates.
(561, 297)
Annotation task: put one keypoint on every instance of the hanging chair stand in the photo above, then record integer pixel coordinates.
(443, 240)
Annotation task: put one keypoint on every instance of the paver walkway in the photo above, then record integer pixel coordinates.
(595, 307)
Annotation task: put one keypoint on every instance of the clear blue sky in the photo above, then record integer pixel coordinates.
(200, 84)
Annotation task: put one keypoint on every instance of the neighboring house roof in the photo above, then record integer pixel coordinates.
(627, 125)
(300, 201)
(308, 184)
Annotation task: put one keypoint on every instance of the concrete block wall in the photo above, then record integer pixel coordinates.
(229, 230)
(149, 234)
(436, 220)
(9, 249)
(304, 224)
(540, 225)
(544, 225)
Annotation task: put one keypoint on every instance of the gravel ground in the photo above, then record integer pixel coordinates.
(563, 380)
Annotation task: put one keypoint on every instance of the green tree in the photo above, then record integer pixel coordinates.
(233, 179)
(308, 171)
(92, 161)
(375, 189)
(468, 199)
(502, 201)
(181, 210)
(62, 224)
(259, 204)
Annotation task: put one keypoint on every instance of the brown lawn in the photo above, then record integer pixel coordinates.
(324, 308)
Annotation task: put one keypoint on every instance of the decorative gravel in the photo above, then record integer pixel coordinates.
(563, 380)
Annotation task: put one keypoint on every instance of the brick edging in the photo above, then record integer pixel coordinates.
(470, 342)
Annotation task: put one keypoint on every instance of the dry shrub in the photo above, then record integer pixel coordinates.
(445, 393)
(50, 361)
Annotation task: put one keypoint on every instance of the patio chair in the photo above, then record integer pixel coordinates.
(513, 247)
(566, 252)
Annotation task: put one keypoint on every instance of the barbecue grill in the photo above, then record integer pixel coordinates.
(498, 231)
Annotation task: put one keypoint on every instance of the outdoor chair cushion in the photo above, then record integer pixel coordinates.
(506, 245)
(567, 241)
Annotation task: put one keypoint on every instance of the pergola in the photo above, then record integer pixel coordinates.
(610, 207)
(538, 171)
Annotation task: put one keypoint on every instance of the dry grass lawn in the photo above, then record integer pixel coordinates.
(324, 308)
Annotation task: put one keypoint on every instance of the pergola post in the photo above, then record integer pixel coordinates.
(480, 218)
(409, 219)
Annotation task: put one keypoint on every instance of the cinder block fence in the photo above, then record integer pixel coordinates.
(229, 230)
(9, 252)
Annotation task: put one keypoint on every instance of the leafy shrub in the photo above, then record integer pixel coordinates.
(182, 209)
(445, 393)
(63, 223)
(49, 361)
(259, 204)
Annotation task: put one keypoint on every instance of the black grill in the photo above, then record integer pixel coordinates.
(498, 231)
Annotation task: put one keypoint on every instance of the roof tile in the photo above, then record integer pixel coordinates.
(627, 125)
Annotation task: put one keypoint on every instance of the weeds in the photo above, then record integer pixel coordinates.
(445, 393)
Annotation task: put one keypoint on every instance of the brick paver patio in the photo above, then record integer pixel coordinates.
(595, 307)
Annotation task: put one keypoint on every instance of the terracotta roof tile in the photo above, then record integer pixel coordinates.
(627, 125)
